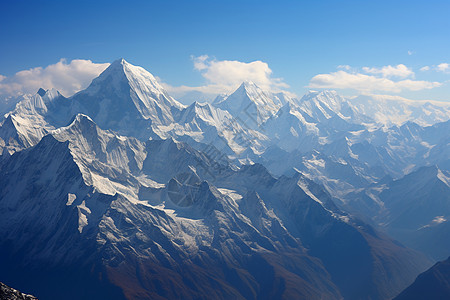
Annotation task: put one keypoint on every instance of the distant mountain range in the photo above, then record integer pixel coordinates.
(120, 191)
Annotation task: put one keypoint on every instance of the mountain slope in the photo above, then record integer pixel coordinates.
(413, 209)
(347, 247)
(431, 284)
(355, 255)
(8, 293)
(215, 248)
(415, 206)
(252, 235)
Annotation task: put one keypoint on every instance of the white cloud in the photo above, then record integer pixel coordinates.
(367, 83)
(344, 67)
(200, 62)
(443, 67)
(223, 76)
(68, 78)
(400, 71)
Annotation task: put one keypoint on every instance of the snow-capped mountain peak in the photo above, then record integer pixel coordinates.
(250, 103)
(48, 95)
(325, 104)
(127, 99)
(141, 82)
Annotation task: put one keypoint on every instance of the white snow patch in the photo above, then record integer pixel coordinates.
(308, 192)
(83, 211)
(442, 177)
(70, 199)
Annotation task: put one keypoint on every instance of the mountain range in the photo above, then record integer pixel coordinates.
(121, 191)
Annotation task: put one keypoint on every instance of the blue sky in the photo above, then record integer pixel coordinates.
(347, 43)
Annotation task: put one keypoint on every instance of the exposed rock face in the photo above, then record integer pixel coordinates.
(8, 293)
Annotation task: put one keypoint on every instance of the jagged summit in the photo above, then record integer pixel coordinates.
(41, 92)
(314, 93)
(248, 85)
(320, 106)
(139, 80)
(329, 97)
(119, 61)
(430, 173)
(82, 117)
(49, 94)
(79, 121)
(250, 103)
(127, 99)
